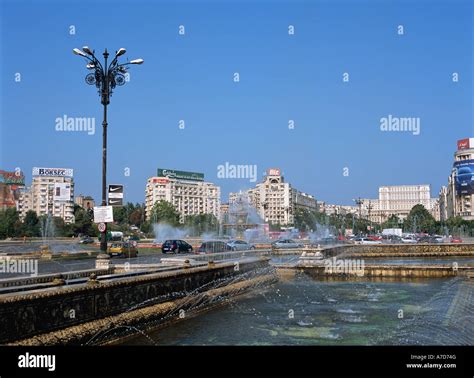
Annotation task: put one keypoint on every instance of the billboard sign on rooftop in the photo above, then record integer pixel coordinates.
(180, 175)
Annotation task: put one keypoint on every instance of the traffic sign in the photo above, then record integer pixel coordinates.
(101, 227)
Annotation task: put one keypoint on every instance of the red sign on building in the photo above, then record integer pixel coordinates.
(273, 172)
(160, 181)
(464, 144)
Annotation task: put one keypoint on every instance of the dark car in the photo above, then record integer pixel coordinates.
(214, 246)
(424, 239)
(176, 246)
(86, 240)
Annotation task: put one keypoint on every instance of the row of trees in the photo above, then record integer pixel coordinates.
(33, 226)
(418, 220)
(124, 217)
(164, 212)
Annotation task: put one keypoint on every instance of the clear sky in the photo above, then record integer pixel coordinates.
(282, 77)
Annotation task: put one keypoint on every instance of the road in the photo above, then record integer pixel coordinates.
(69, 265)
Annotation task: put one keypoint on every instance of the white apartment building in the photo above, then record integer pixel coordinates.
(189, 196)
(399, 200)
(275, 200)
(51, 192)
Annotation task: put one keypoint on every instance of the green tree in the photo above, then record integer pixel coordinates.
(9, 223)
(164, 212)
(31, 226)
(392, 222)
(83, 223)
(419, 220)
(202, 223)
(305, 220)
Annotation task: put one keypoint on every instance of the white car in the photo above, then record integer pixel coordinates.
(240, 245)
(408, 240)
(286, 243)
(366, 241)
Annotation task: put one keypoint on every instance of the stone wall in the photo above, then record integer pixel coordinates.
(402, 250)
(28, 314)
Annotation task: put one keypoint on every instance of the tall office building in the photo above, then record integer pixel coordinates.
(275, 200)
(51, 192)
(186, 191)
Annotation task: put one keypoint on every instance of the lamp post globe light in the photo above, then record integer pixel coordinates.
(105, 78)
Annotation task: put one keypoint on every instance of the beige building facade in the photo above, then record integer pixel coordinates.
(398, 200)
(275, 200)
(51, 193)
(189, 197)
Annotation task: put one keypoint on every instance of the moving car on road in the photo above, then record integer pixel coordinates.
(456, 240)
(240, 245)
(214, 246)
(176, 246)
(286, 243)
(409, 240)
(86, 240)
(122, 250)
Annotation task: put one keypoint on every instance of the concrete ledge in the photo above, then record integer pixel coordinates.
(32, 313)
(413, 271)
(168, 311)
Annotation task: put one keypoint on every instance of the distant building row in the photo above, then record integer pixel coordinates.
(51, 192)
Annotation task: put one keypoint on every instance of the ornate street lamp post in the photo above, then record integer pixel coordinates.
(105, 78)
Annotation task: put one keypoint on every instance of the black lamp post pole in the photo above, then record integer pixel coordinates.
(105, 101)
(105, 78)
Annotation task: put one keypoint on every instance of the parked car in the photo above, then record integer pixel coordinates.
(240, 245)
(437, 239)
(424, 239)
(456, 240)
(176, 246)
(286, 243)
(395, 239)
(366, 241)
(214, 247)
(409, 240)
(374, 237)
(123, 250)
(86, 240)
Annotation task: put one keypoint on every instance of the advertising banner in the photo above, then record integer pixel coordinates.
(53, 172)
(161, 181)
(273, 172)
(181, 175)
(115, 195)
(464, 176)
(62, 192)
(464, 144)
(12, 178)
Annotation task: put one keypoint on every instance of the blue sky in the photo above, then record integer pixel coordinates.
(282, 77)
